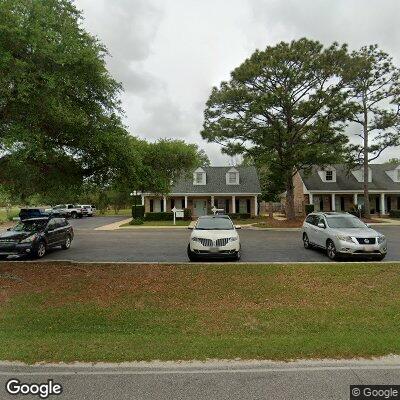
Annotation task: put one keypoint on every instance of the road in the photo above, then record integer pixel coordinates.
(168, 245)
(211, 380)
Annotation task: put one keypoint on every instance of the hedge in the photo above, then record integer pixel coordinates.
(240, 215)
(394, 213)
(159, 216)
(137, 211)
(309, 208)
(187, 214)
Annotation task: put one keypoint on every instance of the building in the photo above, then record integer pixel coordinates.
(233, 189)
(335, 188)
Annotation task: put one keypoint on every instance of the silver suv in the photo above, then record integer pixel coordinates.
(342, 234)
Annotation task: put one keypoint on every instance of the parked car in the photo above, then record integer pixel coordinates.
(90, 209)
(69, 210)
(214, 236)
(34, 236)
(342, 234)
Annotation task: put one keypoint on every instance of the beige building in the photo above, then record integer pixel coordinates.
(334, 188)
(232, 189)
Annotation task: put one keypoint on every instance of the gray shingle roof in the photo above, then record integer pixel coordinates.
(216, 182)
(347, 181)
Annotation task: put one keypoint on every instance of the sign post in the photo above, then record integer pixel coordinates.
(177, 214)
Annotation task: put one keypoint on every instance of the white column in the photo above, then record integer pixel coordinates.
(165, 203)
(142, 199)
(233, 205)
(333, 202)
(212, 201)
(255, 206)
(186, 202)
(383, 211)
(355, 199)
(311, 196)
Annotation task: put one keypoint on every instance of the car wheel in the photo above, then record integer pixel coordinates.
(306, 241)
(3, 258)
(74, 215)
(40, 250)
(381, 257)
(331, 250)
(237, 256)
(191, 255)
(67, 243)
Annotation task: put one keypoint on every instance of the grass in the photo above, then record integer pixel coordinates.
(111, 213)
(67, 312)
(3, 214)
(179, 222)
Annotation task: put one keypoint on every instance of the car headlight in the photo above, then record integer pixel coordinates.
(345, 238)
(381, 239)
(233, 239)
(195, 239)
(29, 239)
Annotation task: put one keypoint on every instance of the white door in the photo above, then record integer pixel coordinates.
(199, 207)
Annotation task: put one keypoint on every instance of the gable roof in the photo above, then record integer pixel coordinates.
(346, 181)
(216, 182)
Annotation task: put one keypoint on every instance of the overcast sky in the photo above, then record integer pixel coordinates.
(169, 53)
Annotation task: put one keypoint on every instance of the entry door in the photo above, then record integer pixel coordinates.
(200, 207)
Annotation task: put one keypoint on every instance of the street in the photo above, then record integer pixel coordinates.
(169, 245)
(307, 380)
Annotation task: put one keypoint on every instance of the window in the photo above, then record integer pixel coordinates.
(398, 175)
(232, 178)
(199, 177)
(329, 175)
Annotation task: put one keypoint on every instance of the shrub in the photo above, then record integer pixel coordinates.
(395, 213)
(309, 208)
(240, 215)
(187, 214)
(138, 211)
(159, 216)
(136, 221)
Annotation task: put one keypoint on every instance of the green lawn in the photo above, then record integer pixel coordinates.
(67, 312)
(3, 214)
(179, 222)
(124, 213)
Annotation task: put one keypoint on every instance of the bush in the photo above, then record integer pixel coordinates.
(159, 216)
(138, 211)
(309, 208)
(187, 214)
(136, 221)
(240, 215)
(395, 213)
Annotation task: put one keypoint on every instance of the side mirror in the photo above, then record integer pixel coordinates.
(321, 225)
(238, 227)
(190, 227)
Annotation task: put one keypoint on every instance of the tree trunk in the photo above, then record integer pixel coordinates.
(366, 162)
(290, 214)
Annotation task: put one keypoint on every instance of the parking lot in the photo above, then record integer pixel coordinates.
(169, 245)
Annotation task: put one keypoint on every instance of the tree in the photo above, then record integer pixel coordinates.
(373, 93)
(394, 161)
(59, 108)
(283, 105)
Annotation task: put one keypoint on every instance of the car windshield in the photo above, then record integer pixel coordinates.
(345, 222)
(214, 224)
(30, 226)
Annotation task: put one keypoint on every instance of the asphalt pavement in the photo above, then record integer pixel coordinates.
(310, 380)
(169, 245)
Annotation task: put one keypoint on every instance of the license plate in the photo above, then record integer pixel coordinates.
(368, 249)
(214, 249)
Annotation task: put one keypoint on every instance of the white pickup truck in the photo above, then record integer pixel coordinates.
(70, 210)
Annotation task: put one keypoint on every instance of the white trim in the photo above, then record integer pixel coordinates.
(375, 191)
(206, 194)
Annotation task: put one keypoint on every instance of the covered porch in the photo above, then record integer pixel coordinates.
(203, 204)
(380, 203)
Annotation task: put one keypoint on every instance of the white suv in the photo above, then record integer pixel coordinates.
(214, 236)
(342, 234)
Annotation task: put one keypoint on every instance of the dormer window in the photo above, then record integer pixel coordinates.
(328, 174)
(359, 174)
(199, 177)
(394, 174)
(232, 177)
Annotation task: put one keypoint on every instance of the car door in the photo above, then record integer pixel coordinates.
(51, 233)
(320, 233)
(309, 227)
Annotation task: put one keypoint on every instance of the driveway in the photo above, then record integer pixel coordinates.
(168, 245)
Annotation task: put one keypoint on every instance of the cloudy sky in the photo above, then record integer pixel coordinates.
(169, 53)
